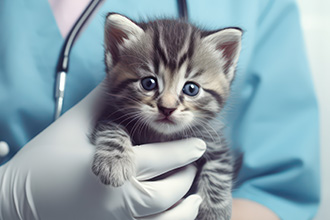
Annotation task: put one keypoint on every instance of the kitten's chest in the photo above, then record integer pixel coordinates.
(147, 137)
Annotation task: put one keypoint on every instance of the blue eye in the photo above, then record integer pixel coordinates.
(190, 89)
(149, 83)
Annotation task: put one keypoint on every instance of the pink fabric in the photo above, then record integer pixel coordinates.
(66, 12)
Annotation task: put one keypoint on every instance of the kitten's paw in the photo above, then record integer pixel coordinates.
(113, 169)
(214, 213)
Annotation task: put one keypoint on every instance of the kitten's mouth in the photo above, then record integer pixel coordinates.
(165, 120)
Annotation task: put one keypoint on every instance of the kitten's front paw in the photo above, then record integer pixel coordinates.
(113, 169)
(211, 213)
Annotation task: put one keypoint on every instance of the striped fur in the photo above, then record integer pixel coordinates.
(173, 53)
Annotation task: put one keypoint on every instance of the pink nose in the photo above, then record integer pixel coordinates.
(166, 111)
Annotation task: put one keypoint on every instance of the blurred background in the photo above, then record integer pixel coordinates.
(315, 18)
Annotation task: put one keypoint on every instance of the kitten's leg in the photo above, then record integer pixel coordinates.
(113, 159)
(215, 185)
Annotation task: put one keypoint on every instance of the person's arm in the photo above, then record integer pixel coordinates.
(248, 210)
(277, 127)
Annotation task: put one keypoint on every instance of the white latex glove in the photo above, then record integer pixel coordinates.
(51, 177)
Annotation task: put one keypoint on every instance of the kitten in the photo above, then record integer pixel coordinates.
(167, 80)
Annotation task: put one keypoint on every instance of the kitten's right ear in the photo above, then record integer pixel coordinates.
(118, 30)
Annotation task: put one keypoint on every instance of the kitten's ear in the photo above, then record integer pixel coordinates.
(118, 30)
(228, 42)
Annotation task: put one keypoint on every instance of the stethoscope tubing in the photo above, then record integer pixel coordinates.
(63, 60)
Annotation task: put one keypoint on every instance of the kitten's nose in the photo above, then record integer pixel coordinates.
(166, 111)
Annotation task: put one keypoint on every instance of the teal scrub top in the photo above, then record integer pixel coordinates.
(272, 116)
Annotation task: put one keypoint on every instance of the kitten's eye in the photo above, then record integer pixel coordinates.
(190, 89)
(149, 83)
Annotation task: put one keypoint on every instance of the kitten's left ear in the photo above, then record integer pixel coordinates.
(118, 30)
(228, 42)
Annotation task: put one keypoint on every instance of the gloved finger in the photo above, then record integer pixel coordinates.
(155, 159)
(185, 210)
(154, 197)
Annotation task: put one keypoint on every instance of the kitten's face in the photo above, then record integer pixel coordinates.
(168, 75)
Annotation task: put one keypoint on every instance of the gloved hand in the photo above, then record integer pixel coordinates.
(51, 177)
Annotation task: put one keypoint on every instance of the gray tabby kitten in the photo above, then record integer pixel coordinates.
(167, 80)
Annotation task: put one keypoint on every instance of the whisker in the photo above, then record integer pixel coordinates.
(131, 110)
(207, 128)
(122, 97)
(135, 126)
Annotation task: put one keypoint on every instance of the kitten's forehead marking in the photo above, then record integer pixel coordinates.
(162, 44)
(172, 69)
(172, 43)
(183, 53)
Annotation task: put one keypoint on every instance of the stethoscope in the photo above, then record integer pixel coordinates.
(63, 60)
